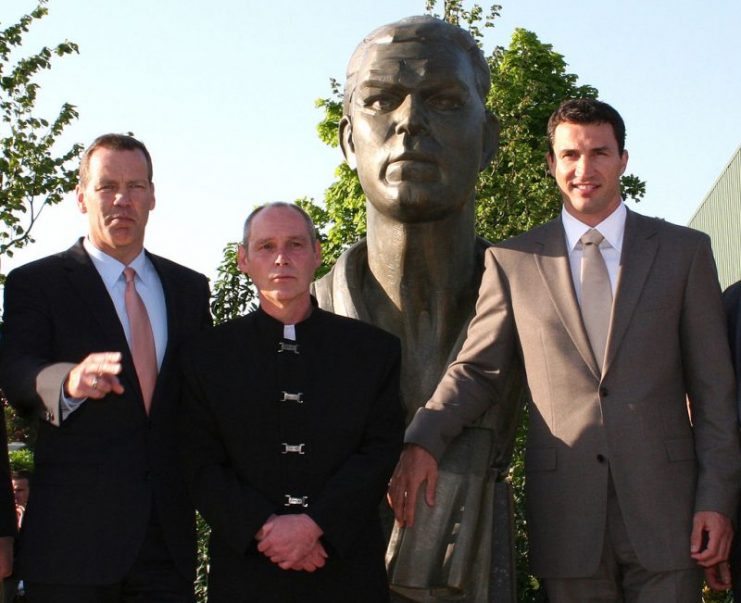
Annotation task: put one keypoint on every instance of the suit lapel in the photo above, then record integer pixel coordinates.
(640, 245)
(552, 260)
(91, 291)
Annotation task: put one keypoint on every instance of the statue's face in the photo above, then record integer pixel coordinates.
(418, 130)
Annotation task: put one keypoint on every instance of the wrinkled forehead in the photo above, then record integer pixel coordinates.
(414, 64)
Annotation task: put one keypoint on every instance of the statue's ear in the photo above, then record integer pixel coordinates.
(491, 140)
(346, 142)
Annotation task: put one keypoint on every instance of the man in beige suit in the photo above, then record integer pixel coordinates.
(628, 493)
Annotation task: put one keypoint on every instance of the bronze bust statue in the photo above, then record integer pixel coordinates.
(416, 128)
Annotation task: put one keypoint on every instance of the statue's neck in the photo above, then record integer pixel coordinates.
(422, 287)
(416, 264)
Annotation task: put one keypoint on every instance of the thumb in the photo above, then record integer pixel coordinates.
(696, 536)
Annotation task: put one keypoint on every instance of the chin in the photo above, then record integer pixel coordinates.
(416, 204)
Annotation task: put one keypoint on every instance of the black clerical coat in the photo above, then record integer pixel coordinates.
(313, 426)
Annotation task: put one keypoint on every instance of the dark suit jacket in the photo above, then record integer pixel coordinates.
(666, 344)
(732, 302)
(350, 421)
(98, 473)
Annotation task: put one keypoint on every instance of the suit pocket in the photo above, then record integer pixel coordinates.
(680, 449)
(540, 459)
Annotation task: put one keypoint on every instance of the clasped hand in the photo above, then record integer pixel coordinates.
(292, 542)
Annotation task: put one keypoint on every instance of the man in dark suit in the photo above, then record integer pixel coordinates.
(629, 487)
(292, 425)
(732, 302)
(90, 343)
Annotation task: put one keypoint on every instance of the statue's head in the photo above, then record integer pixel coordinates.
(415, 123)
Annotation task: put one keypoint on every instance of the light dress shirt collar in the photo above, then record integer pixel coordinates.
(612, 228)
(110, 269)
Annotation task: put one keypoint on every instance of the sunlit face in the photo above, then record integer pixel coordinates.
(418, 131)
(117, 199)
(587, 167)
(20, 491)
(280, 257)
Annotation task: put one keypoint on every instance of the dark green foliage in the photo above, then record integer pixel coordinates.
(201, 583)
(232, 293)
(32, 176)
(21, 460)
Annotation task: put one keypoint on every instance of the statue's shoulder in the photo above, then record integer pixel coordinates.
(346, 275)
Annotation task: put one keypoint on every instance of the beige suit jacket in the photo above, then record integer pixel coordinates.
(667, 344)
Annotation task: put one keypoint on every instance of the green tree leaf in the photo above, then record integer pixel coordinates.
(33, 172)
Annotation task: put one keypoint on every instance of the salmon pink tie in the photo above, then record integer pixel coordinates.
(142, 339)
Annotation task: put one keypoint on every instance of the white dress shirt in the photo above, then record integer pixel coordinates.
(612, 228)
(149, 287)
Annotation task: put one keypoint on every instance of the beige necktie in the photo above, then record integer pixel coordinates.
(596, 294)
(142, 339)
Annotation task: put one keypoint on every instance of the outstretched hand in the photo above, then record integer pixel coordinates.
(95, 377)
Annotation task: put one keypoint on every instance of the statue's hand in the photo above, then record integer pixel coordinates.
(415, 467)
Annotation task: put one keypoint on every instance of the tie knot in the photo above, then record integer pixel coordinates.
(592, 237)
(129, 274)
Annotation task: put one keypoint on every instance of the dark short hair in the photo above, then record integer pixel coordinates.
(423, 28)
(21, 474)
(307, 218)
(115, 142)
(586, 111)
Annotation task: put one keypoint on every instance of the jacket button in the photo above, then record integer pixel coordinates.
(601, 458)
(603, 392)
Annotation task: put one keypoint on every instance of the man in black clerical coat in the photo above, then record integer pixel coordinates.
(291, 426)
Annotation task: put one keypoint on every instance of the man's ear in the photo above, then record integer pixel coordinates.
(551, 163)
(623, 161)
(242, 259)
(80, 196)
(490, 141)
(346, 142)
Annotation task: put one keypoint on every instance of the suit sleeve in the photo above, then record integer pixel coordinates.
(351, 497)
(709, 385)
(231, 507)
(477, 377)
(29, 377)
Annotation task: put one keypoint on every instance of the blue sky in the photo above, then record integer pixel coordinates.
(223, 93)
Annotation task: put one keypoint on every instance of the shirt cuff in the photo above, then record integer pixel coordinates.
(68, 405)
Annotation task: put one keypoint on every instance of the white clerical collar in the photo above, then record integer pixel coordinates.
(289, 332)
(612, 228)
(110, 269)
